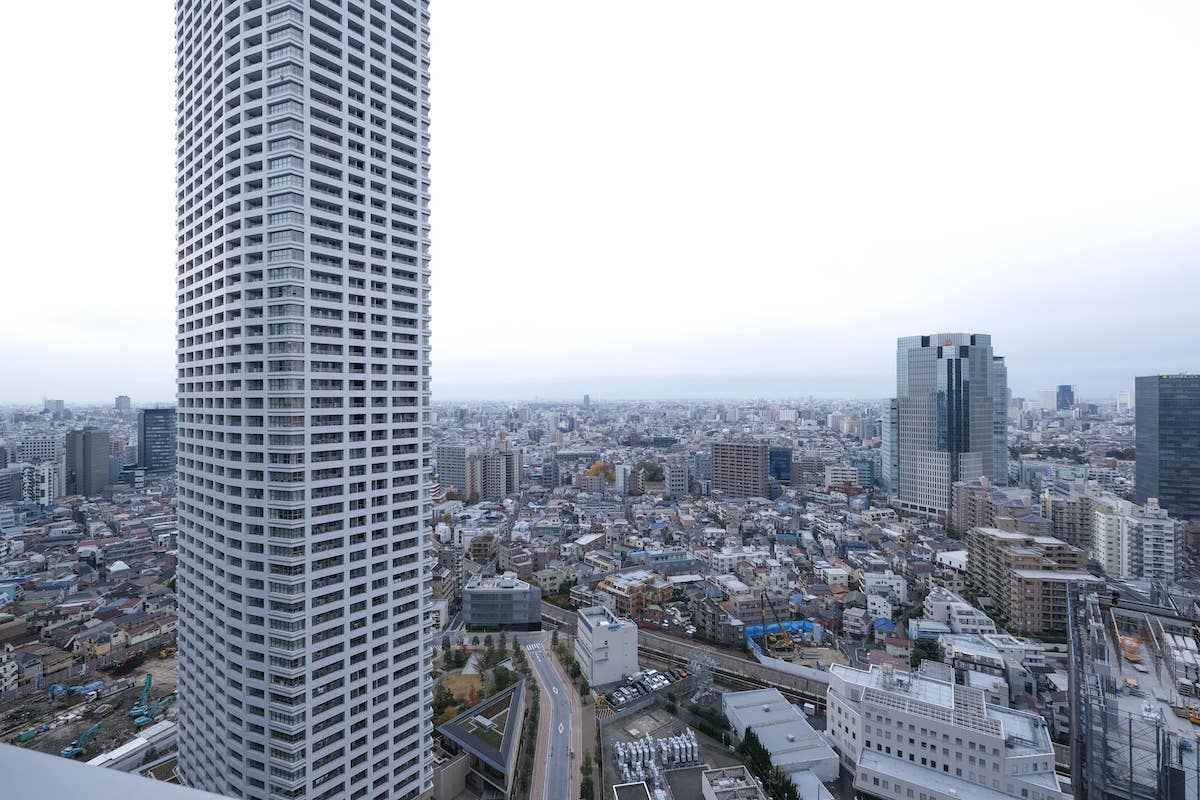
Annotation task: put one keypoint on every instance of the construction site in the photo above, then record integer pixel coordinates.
(789, 640)
(102, 713)
(1136, 705)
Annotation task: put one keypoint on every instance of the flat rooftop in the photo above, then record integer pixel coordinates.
(732, 783)
(631, 791)
(943, 783)
(28, 773)
(496, 582)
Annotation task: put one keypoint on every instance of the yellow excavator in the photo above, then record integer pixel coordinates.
(776, 641)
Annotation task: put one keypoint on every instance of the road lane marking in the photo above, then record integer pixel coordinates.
(555, 688)
(560, 727)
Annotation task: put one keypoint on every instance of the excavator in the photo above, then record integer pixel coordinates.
(152, 712)
(77, 748)
(776, 641)
(143, 703)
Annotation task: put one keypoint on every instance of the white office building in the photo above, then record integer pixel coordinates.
(605, 645)
(920, 736)
(303, 392)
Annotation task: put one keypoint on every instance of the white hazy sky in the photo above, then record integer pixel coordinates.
(674, 199)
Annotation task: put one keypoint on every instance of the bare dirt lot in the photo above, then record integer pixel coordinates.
(71, 718)
(461, 685)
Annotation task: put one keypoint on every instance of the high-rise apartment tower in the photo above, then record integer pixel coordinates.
(303, 387)
(951, 406)
(1167, 425)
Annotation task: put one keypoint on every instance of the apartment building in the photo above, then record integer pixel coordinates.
(943, 605)
(839, 475)
(1025, 578)
(920, 736)
(1128, 540)
(980, 504)
(677, 479)
(1132, 541)
(302, 286)
(740, 468)
(452, 466)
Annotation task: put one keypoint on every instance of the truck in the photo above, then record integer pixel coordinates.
(27, 734)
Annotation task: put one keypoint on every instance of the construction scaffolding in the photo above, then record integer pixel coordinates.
(1135, 725)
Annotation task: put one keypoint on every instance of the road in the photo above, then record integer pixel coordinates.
(560, 733)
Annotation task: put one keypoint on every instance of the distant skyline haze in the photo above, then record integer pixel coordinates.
(707, 201)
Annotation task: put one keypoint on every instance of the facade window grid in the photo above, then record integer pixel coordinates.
(202, 269)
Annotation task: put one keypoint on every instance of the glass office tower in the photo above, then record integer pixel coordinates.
(1167, 441)
(951, 426)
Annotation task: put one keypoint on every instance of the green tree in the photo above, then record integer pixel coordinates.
(923, 650)
(502, 678)
(487, 641)
(442, 699)
(554, 638)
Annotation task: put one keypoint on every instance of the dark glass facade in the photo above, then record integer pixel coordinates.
(779, 464)
(1167, 416)
(156, 438)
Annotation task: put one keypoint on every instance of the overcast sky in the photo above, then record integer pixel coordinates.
(674, 199)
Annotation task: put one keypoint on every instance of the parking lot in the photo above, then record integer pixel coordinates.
(643, 684)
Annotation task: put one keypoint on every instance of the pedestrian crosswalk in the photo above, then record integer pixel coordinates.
(529, 648)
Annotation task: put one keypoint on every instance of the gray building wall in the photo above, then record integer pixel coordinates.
(499, 609)
(452, 466)
(86, 461)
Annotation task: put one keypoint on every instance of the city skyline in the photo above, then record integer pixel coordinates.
(852, 205)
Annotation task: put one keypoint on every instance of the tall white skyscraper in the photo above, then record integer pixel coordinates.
(952, 424)
(303, 385)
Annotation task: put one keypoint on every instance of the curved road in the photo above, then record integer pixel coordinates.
(561, 727)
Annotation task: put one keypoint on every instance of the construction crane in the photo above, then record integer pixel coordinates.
(152, 712)
(141, 706)
(77, 748)
(781, 640)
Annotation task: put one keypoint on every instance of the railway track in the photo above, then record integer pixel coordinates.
(735, 680)
(794, 688)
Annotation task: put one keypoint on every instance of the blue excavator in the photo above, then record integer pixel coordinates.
(77, 748)
(143, 703)
(152, 712)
